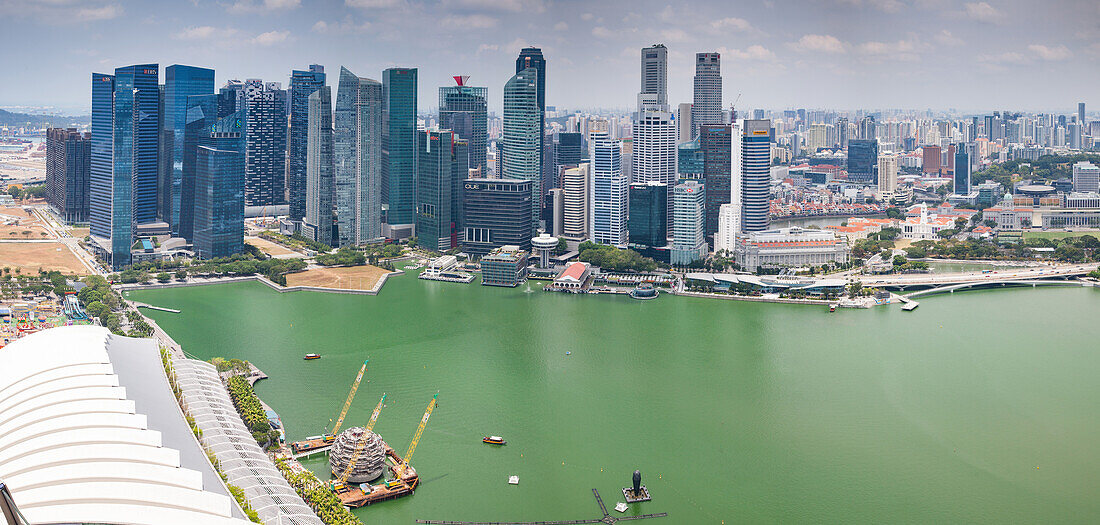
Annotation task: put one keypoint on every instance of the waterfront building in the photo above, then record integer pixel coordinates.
(790, 247)
(576, 188)
(542, 247)
(442, 157)
(887, 174)
(862, 156)
(729, 226)
(1086, 177)
(689, 160)
(496, 212)
(68, 173)
(265, 135)
(962, 170)
(707, 105)
(522, 142)
(648, 218)
(574, 277)
(320, 192)
(462, 109)
(357, 159)
(399, 143)
(688, 236)
(302, 84)
(180, 82)
(655, 72)
(216, 195)
(715, 142)
(531, 57)
(504, 266)
(609, 193)
(755, 175)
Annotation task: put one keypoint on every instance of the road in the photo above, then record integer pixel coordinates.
(927, 279)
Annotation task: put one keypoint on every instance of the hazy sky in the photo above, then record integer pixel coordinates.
(987, 54)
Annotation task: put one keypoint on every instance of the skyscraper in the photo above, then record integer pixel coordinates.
(1081, 113)
(609, 193)
(436, 219)
(933, 159)
(180, 82)
(265, 138)
(496, 213)
(523, 134)
(755, 175)
(320, 192)
(688, 241)
(715, 141)
(576, 189)
(68, 170)
(887, 173)
(654, 146)
(862, 156)
(531, 57)
(302, 85)
(219, 188)
(707, 105)
(357, 156)
(399, 143)
(655, 72)
(684, 129)
(648, 218)
(462, 109)
(962, 169)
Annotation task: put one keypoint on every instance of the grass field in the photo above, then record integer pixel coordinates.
(30, 256)
(270, 248)
(345, 278)
(1061, 234)
(27, 223)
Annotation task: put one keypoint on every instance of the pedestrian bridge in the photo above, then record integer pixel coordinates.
(945, 280)
(998, 283)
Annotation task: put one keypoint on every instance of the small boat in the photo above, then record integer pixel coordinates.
(621, 507)
(310, 357)
(513, 480)
(493, 440)
(832, 307)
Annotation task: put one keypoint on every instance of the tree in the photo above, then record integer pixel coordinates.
(900, 260)
(855, 289)
(947, 233)
(894, 212)
(562, 247)
(181, 274)
(164, 277)
(97, 309)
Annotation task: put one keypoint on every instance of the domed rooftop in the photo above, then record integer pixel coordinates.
(371, 460)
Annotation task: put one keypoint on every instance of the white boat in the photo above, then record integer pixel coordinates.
(513, 480)
(621, 507)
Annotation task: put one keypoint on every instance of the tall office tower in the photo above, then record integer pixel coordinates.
(180, 82)
(655, 72)
(1086, 177)
(68, 173)
(867, 128)
(962, 169)
(862, 156)
(755, 175)
(707, 105)
(842, 133)
(302, 85)
(462, 109)
(715, 141)
(575, 187)
(932, 158)
(689, 160)
(531, 57)
(218, 204)
(689, 243)
(1073, 132)
(647, 222)
(265, 136)
(729, 226)
(609, 193)
(1081, 113)
(442, 156)
(399, 143)
(204, 114)
(125, 143)
(653, 155)
(496, 213)
(683, 123)
(570, 149)
(523, 135)
(887, 173)
(320, 191)
(357, 156)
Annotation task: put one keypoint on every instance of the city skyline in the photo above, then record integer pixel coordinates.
(842, 54)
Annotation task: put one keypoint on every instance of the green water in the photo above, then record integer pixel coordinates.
(978, 407)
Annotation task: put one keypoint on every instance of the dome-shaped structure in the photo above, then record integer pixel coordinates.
(371, 460)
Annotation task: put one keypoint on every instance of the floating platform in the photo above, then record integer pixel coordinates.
(910, 306)
(311, 445)
(632, 497)
(365, 493)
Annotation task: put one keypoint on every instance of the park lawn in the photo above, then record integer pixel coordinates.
(1060, 234)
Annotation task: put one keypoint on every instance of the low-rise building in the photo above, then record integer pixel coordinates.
(574, 278)
(504, 266)
(791, 247)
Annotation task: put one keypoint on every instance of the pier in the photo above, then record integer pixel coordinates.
(151, 307)
(402, 485)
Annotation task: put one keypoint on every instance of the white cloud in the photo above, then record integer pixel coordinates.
(886, 48)
(487, 47)
(469, 21)
(887, 6)
(603, 32)
(195, 33)
(1050, 53)
(1009, 57)
(753, 52)
(731, 24)
(513, 47)
(91, 14)
(513, 6)
(252, 6)
(983, 12)
(944, 37)
(271, 38)
(347, 25)
(819, 44)
(374, 4)
(587, 17)
(561, 26)
(674, 35)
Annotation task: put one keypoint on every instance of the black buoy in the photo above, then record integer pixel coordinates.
(637, 481)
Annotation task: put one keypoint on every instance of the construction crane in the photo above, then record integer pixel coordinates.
(347, 404)
(403, 467)
(340, 484)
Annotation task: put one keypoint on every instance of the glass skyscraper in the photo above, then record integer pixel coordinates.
(689, 160)
(441, 157)
(609, 193)
(707, 105)
(68, 169)
(496, 213)
(462, 109)
(688, 242)
(756, 165)
(265, 135)
(302, 85)
(531, 57)
(648, 219)
(399, 143)
(715, 142)
(862, 158)
(202, 114)
(319, 223)
(357, 153)
(962, 169)
(522, 144)
(219, 188)
(180, 82)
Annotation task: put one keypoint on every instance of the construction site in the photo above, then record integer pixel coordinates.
(365, 469)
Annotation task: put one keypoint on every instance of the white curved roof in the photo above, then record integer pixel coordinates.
(74, 448)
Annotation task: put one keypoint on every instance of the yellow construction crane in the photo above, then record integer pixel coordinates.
(374, 415)
(400, 469)
(347, 404)
(340, 484)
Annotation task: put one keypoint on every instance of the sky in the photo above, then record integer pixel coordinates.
(777, 54)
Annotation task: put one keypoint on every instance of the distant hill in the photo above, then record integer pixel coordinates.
(7, 118)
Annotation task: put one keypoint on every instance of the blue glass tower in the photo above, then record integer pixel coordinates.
(756, 163)
(103, 215)
(522, 143)
(137, 135)
(962, 169)
(180, 82)
(399, 144)
(531, 57)
(219, 188)
(462, 109)
(302, 85)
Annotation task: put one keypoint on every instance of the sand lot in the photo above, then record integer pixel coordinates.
(344, 278)
(30, 256)
(271, 248)
(27, 222)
